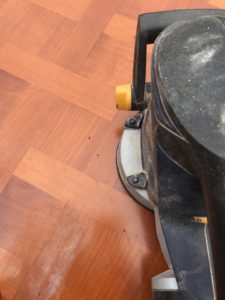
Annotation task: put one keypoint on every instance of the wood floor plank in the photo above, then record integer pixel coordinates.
(132, 8)
(12, 13)
(121, 28)
(60, 263)
(113, 208)
(24, 125)
(102, 155)
(64, 261)
(114, 51)
(56, 39)
(86, 34)
(13, 94)
(96, 66)
(28, 219)
(96, 278)
(70, 9)
(71, 139)
(74, 88)
(2, 2)
(53, 261)
(217, 3)
(36, 28)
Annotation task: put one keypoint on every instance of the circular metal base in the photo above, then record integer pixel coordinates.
(129, 163)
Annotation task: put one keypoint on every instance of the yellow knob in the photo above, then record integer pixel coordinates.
(123, 97)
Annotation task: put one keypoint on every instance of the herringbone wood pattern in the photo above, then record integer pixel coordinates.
(68, 230)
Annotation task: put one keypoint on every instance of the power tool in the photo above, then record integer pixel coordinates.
(171, 156)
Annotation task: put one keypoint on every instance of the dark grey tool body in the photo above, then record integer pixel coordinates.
(182, 147)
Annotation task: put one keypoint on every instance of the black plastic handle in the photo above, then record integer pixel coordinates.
(148, 28)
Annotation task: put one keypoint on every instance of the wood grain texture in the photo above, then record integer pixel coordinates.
(68, 229)
(217, 3)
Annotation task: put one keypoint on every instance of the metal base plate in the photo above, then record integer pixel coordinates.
(129, 163)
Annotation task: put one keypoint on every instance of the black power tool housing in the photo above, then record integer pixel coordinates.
(171, 156)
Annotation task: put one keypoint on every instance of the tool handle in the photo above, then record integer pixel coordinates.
(148, 28)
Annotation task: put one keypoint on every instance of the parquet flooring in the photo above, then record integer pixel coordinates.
(68, 229)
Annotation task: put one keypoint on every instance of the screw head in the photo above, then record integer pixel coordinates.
(135, 179)
(132, 121)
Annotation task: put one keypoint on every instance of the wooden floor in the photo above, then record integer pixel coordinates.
(68, 229)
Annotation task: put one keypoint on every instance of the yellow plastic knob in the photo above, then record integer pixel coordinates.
(123, 97)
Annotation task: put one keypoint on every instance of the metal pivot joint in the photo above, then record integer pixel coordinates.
(139, 181)
(135, 122)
